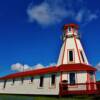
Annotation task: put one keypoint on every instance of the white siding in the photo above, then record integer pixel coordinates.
(70, 44)
(80, 77)
(31, 88)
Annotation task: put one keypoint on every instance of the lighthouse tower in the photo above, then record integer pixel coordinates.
(71, 50)
(72, 75)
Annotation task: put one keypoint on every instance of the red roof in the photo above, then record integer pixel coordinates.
(61, 68)
(77, 67)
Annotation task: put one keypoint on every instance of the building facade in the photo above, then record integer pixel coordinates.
(72, 75)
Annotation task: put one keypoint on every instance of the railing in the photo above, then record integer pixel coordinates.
(79, 88)
(98, 87)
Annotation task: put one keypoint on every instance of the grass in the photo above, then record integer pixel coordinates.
(21, 97)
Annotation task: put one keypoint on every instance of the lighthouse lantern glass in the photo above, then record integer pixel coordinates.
(69, 29)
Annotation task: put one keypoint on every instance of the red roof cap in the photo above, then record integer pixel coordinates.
(71, 25)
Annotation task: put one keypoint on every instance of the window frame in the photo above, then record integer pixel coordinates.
(22, 80)
(73, 83)
(69, 29)
(53, 79)
(82, 56)
(31, 79)
(41, 83)
(4, 86)
(91, 74)
(68, 56)
(13, 81)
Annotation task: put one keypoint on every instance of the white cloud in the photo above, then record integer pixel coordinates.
(38, 66)
(27, 67)
(79, 16)
(45, 15)
(85, 16)
(54, 11)
(92, 16)
(51, 65)
(20, 67)
(98, 66)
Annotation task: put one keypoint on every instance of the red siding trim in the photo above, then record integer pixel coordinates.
(78, 92)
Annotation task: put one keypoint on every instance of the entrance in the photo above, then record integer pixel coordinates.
(72, 78)
(63, 87)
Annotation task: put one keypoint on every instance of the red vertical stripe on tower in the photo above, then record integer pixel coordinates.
(64, 49)
(76, 46)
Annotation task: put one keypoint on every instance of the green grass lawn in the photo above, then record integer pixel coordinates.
(21, 97)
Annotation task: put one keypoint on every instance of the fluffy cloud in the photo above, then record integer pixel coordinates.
(38, 66)
(98, 66)
(45, 15)
(19, 67)
(54, 11)
(51, 65)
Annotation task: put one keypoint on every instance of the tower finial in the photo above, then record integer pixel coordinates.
(71, 25)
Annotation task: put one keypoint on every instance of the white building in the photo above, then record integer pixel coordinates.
(72, 75)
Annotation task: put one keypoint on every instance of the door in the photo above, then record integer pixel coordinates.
(72, 78)
(63, 87)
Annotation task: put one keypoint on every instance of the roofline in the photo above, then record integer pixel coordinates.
(48, 70)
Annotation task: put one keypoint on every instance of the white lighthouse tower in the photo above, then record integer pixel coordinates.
(72, 50)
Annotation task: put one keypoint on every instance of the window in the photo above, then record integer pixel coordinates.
(41, 81)
(72, 78)
(4, 83)
(13, 81)
(32, 79)
(71, 58)
(53, 77)
(22, 80)
(69, 29)
(82, 56)
(91, 76)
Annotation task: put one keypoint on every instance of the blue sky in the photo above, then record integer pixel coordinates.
(30, 31)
